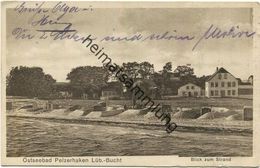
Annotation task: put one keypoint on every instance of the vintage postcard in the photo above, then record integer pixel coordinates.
(130, 83)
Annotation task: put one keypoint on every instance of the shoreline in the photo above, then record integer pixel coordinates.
(145, 125)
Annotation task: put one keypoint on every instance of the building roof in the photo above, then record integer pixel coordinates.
(240, 82)
(189, 83)
(220, 70)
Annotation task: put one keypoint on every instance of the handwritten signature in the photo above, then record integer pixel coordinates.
(214, 32)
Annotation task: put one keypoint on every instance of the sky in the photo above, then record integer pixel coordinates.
(58, 57)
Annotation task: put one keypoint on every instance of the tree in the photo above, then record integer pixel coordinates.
(131, 69)
(184, 70)
(134, 70)
(162, 79)
(158, 79)
(138, 72)
(167, 67)
(29, 82)
(186, 74)
(146, 70)
(166, 72)
(87, 79)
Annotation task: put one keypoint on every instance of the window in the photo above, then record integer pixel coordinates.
(216, 84)
(212, 93)
(234, 84)
(229, 84)
(192, 87)
(187, 87)
(216, 92)
(229, 92)
(183, 93)
(212, 84)
(233, 92)
(222, 84)
(222, 93)
(195, 94)
(225, 76)
(219, 76)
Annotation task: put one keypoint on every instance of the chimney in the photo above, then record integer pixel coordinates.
(216, 69)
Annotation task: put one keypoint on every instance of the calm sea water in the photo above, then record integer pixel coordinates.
(30, 137)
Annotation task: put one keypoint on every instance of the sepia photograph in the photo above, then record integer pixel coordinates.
(94, 83)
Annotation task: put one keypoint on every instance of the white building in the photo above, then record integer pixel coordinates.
(245, 88)
(221, 84)
(65, 94)
(110, 94)
(190, 90)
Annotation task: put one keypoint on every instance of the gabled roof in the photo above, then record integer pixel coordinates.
(208, 77)
(220, 70)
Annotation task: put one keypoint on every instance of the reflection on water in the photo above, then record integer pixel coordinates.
(30, 137)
